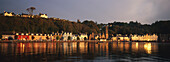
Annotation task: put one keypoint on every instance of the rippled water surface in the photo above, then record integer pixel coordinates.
(85, 52)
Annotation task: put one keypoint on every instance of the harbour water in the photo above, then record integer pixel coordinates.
(85, 52)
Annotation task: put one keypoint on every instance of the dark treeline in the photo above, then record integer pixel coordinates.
(40, 25)
(74, 27)
(159, 27)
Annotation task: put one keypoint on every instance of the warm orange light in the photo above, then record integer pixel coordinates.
(23, 47)
(137, 45)
(148, 48)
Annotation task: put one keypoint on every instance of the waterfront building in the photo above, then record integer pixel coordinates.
(120, 37)
(135, 37)
(37, 37)
(74, 37)
(57, 36)
(114, 38)
(103, 36)
(91, 36)
(146, 37)
(8, 36)
(22, 36)
(8, 13)
(96, 37)
(83, 37)
(66, 35)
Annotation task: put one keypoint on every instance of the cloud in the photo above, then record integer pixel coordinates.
(102, 11)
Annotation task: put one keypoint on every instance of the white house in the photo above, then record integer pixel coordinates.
(83, 37)
(43, 15)
(74, 37)
(26, 15)
(8, 13)
(66, 35)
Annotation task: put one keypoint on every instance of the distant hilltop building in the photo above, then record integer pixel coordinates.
(26, 15)
(8, 13)
(43, 15)
(40, 15)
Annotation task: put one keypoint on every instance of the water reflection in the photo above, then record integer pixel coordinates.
(83, 50)
(69, 48)
(148, 48)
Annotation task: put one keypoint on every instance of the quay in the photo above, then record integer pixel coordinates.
(19, 41)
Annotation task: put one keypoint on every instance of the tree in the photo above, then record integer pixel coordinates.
(69, 38)
(98, 38)
(78, 38)
(57, 37)
(10, 38)
(78, 21)
(47, 37)
(16, 37)
(92, 25)
(30, 10)
(92, 39)
(0, 36)
(85, 38)
(33, 37)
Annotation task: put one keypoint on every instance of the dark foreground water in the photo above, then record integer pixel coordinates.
(85, 52)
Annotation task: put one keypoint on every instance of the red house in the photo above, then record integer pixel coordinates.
(22, 36)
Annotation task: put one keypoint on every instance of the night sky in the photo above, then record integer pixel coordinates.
(101, 11)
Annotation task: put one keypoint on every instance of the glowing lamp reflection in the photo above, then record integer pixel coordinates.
(147, 47)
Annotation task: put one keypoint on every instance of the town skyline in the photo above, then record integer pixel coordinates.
(146, 12)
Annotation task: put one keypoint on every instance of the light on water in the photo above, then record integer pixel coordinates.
(84, 51)
(148, 48)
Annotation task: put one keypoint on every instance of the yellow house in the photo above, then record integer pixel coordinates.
(83, 36)
(38, 37)
(8, 13)
(114, 38)
(43, 15)
(59, 35)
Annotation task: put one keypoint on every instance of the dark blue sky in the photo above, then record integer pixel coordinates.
(102, 11)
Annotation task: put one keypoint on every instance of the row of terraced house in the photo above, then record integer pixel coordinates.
(43, 37)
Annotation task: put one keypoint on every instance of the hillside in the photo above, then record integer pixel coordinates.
(159, 27)
(40, 25)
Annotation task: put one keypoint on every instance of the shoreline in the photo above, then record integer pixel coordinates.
(18, 41)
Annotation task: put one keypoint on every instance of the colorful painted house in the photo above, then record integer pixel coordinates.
(22, 36)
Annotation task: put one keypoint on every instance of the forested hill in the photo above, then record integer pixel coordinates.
(40, 25)
(159, 27)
